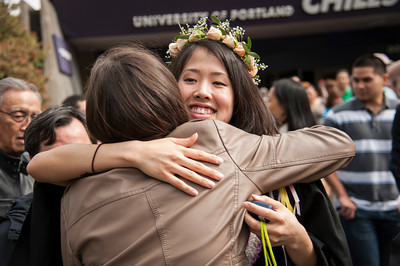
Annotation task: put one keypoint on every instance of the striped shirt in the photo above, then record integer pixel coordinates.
(367, 179)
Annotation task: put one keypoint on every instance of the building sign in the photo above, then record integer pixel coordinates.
(257, 13)
(97, 18)
(324, 6)
(64, 56)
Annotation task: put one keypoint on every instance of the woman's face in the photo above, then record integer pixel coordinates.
(275, 106)
(206, 88)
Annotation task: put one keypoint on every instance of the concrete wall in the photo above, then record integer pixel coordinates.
(60, 85)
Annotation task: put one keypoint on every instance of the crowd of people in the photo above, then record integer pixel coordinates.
(165, 165)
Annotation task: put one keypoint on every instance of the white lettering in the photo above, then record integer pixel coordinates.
(262, 13)
(359, 4)
(64, 53)
(313, 7)
(389, 3)
(347, 5)
(337, 5)
(221, 15)
(168, 19)
(309, 7)
(373, 3)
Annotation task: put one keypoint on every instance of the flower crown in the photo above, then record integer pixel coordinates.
(223, 33)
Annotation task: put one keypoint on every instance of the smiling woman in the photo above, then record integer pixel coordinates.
(219, 78)
(206, 88)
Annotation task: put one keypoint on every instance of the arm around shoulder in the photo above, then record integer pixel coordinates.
(299, 156)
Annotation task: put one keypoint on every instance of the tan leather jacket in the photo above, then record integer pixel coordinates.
(123, 217)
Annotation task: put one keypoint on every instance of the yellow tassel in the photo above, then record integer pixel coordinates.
(285, 199)
(269, 256)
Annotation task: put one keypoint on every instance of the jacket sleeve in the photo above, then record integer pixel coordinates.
(301, 156)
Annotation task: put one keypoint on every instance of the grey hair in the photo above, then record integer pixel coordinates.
(16, 84)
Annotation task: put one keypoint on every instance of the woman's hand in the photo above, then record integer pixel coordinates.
(283, 229)
(166, 159)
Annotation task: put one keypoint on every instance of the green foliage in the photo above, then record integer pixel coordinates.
(21, 55)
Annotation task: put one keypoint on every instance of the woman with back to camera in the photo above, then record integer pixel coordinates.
(123, 217)
(220, 99)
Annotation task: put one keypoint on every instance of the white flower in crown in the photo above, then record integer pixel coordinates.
(173, 49)
(239, 50)
(229, 41)
(180, 43)
(223, 33)
(196, 36)
(253, 70)
(214, 34)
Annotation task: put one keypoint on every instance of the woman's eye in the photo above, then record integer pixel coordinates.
(189, 80)
(219, 83)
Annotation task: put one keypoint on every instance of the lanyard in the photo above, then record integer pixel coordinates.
(269, 256)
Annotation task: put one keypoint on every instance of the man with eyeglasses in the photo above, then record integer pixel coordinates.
(20, 102)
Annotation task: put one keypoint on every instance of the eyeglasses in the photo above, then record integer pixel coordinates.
(20, 116)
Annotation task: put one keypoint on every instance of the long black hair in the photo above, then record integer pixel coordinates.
(293, 97)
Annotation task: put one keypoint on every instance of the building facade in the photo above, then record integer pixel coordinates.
(308, 38)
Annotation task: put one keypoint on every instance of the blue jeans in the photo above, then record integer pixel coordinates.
(369, 236)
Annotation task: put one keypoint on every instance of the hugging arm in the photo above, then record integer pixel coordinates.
(161, 159)
(300, 156)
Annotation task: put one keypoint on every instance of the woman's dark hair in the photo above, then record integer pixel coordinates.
(249, 111)
(131, 95)
(293, 97)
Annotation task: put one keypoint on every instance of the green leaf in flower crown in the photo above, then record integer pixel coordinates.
(253, 54)
(222, 30)
(216, 20)
(249, 42)
(248, 61)
(182, 36)
(246, 47)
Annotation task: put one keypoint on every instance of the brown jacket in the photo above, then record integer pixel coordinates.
(123, 217)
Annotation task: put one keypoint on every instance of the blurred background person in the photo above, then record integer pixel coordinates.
(394, 77)
(335, 96)
(343, 83)
(39, 243)
(264, 94)
(20, 102)
(321, 90)
(316, 102)
(76, 101)
(395, 168)
(366, 189)
(288, 102)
